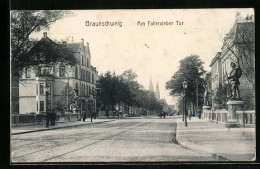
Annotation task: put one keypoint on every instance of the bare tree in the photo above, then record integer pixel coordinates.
(23, 24)
(240, 42)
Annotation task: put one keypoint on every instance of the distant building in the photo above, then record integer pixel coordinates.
(157, 92)
(216, 76)
(82, 76)
(151, 85)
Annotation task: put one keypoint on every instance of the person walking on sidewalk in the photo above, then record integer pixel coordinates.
(84, 115)
(189, 114)
(53, 117)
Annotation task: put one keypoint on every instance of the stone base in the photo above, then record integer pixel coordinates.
(233, 106)
(235, 102)
(206, 107)
(249, 126)
(232, 124)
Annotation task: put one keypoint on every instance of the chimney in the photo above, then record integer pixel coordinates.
(82, 41)
(44, 34)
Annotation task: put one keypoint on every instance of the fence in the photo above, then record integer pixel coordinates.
(38, 119)
(245, 118)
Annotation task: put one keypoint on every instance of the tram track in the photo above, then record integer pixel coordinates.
(79, 137)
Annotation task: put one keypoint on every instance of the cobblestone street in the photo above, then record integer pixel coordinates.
(123, 140)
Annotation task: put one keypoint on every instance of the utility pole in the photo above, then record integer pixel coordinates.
(68, 95)
(197, 98)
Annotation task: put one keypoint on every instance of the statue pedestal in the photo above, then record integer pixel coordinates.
(233, 106)
(76, 110)
(204, 115)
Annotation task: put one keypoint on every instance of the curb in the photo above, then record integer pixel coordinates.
(45, 129)
(213, 155)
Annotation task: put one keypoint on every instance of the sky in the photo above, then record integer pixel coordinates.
(150, 51)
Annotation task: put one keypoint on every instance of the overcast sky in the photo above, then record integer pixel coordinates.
(151, 51)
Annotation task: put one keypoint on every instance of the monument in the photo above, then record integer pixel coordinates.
(235, 102)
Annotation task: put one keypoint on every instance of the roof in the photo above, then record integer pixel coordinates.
(242, 32)
(215, 59)
(72, 46)
(46, 50)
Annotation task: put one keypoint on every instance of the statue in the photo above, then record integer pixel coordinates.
(235, 74)
(206, 94)
(76, 97)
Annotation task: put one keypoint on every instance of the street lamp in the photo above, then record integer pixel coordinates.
(47, 91)
(185, 85)
(182, 95)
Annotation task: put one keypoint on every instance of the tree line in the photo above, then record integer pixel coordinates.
(124, 90)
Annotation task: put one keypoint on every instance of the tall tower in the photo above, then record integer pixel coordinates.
(157, 93)
(151, 85)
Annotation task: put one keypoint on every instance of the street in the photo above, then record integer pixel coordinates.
(122, 140)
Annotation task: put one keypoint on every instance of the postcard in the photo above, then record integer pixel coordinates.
(145, 85)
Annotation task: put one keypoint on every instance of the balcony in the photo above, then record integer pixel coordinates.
(45, 71)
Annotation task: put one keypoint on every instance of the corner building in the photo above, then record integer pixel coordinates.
(83, 76)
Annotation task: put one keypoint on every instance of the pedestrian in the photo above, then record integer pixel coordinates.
(84, 116)
(53, 118)
(95, 115)
(199, 111)
(47, 119)
(189, 114)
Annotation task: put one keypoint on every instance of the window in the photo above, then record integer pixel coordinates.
(81, 74)
(84, 91)
(27, 73)
(82, 59)
(62, 71)
(41, 88)
(92, 77)
(37, 105)
(36, 88)
(76, 72)
(49, 88)
(81, 91)
(41, 105)
(77, 86)
(87, 90)
(45, 70)
(87, 62)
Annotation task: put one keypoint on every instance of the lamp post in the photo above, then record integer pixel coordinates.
(185, 85)
(182, 106)
(47, 90)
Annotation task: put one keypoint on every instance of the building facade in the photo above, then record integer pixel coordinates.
(82, 77)
(238, 47)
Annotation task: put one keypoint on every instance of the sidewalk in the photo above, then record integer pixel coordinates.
(232, 144)
(37, 128)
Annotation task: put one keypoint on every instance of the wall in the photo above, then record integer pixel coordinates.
(27, 105)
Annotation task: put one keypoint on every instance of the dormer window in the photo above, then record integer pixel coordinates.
(27, 73)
